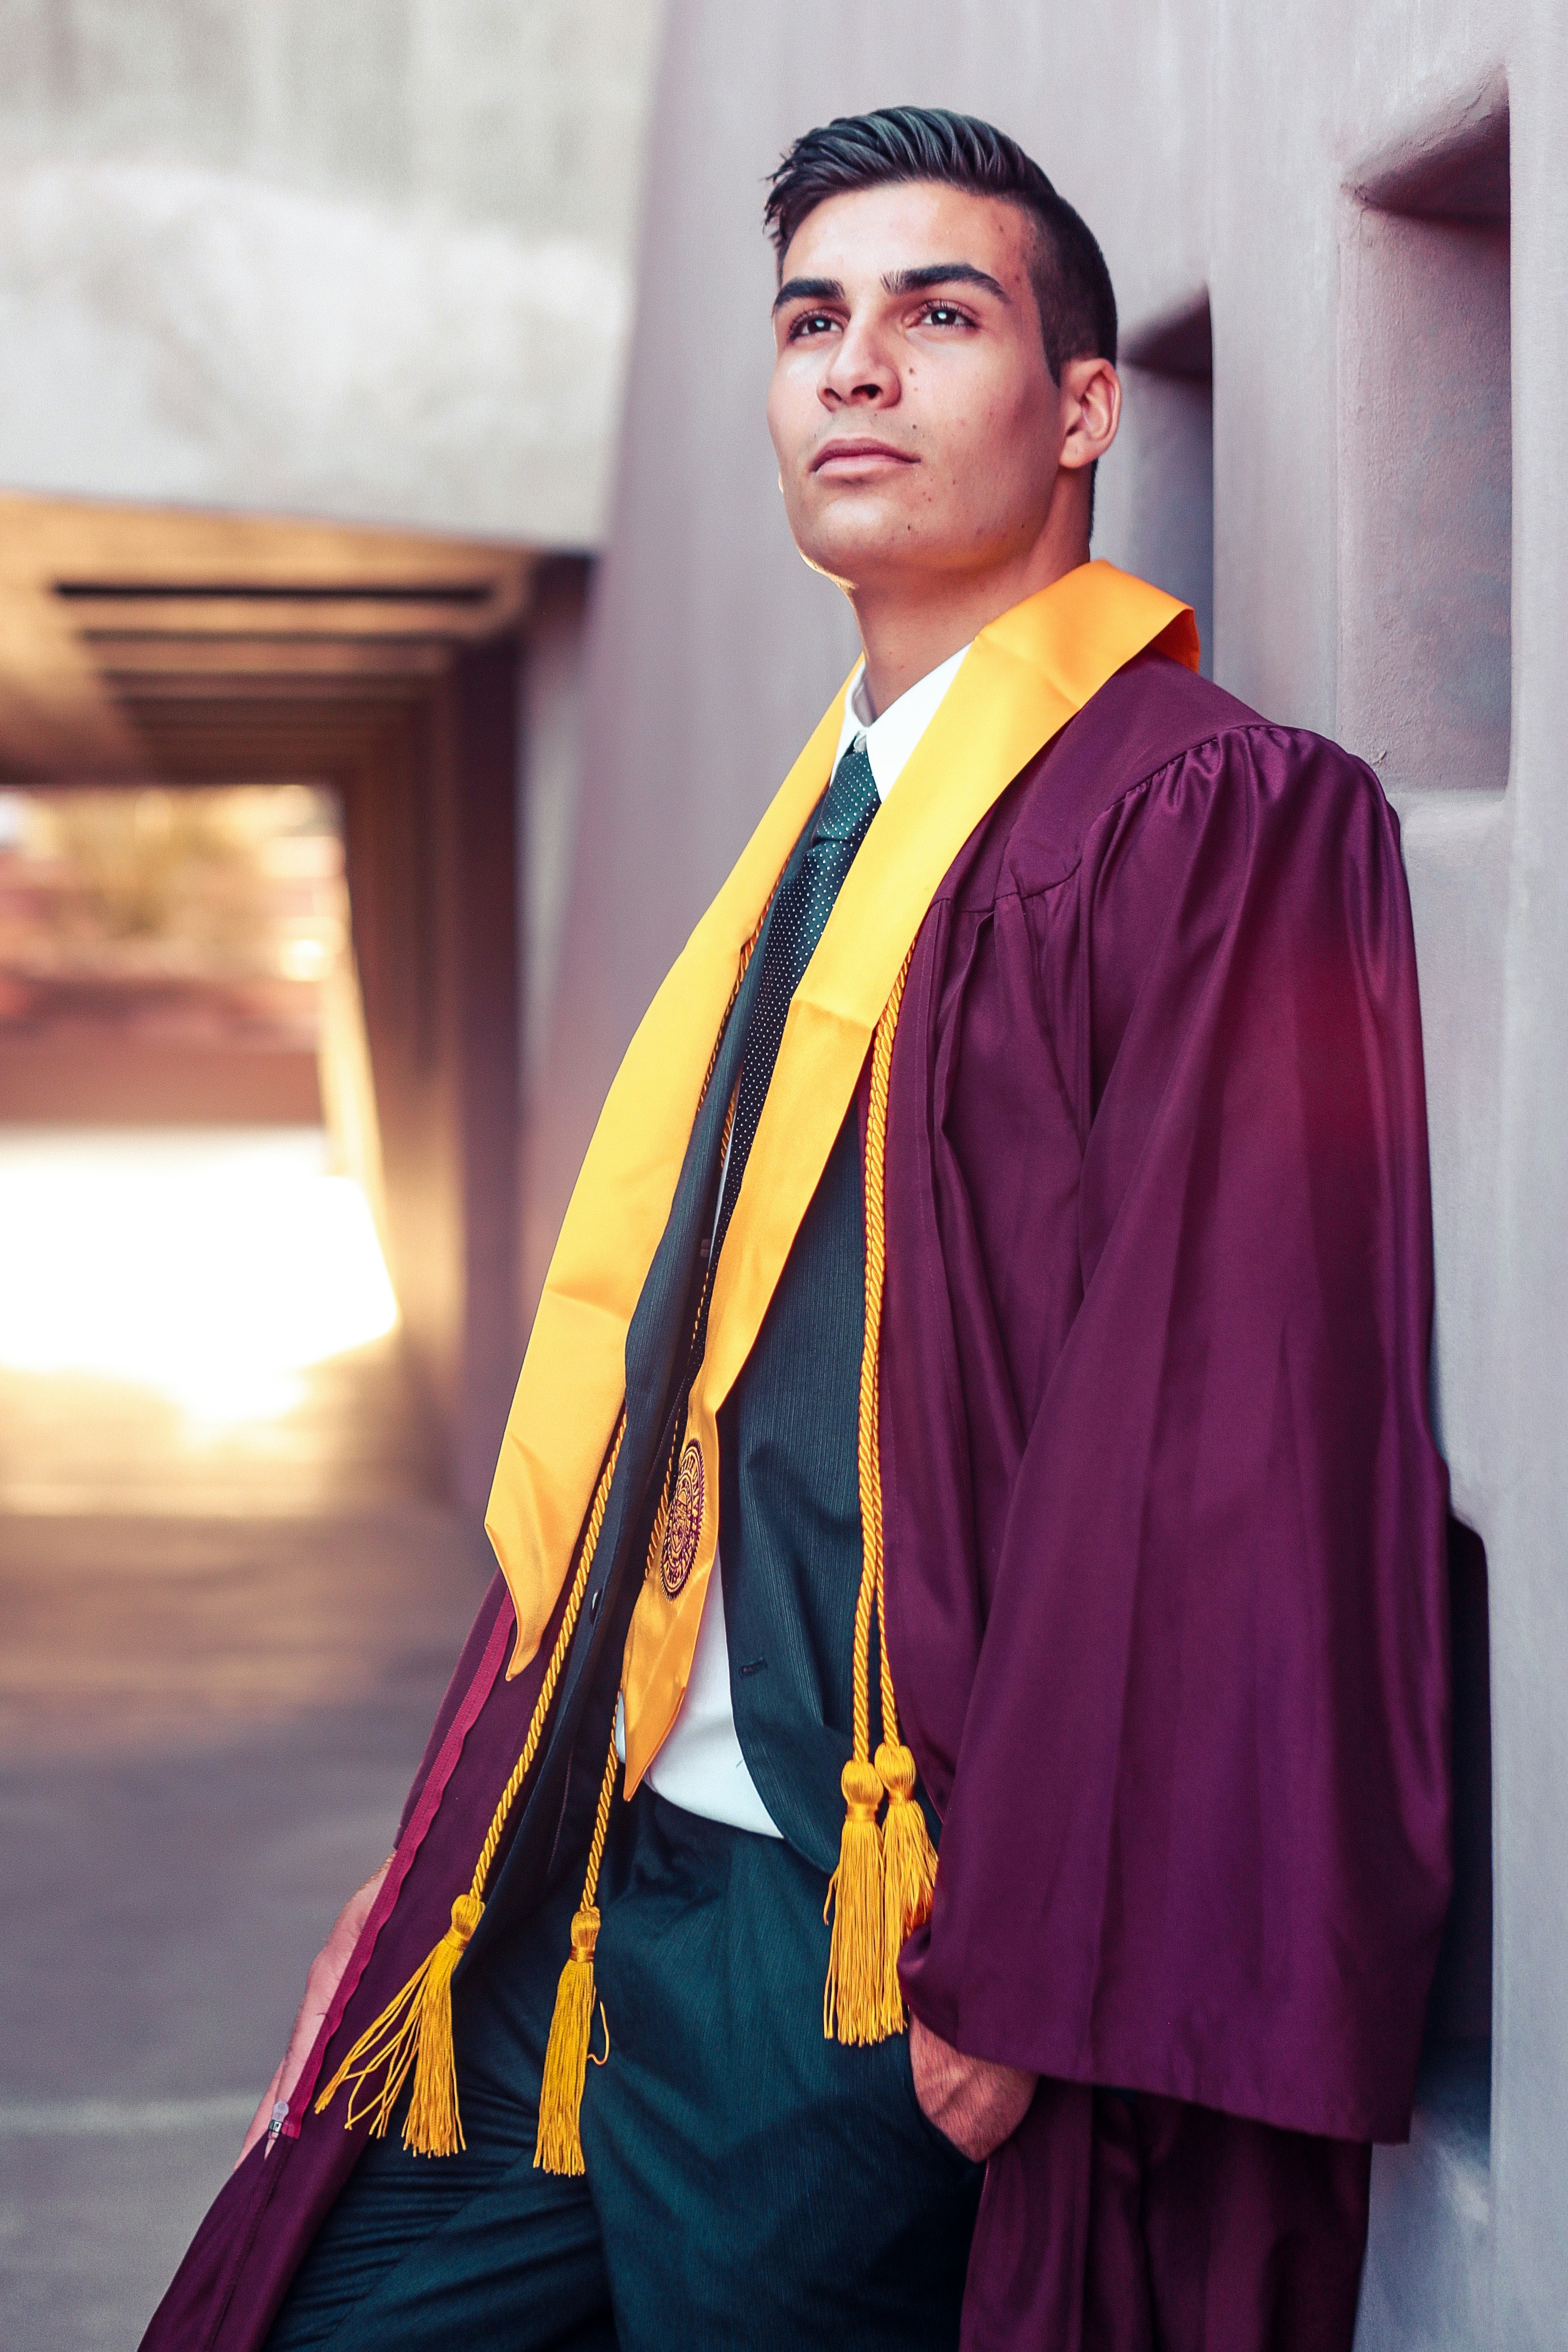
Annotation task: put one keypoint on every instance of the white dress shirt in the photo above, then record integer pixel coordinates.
(700, 1766)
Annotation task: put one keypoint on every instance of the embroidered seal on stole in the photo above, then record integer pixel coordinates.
(684, 1524)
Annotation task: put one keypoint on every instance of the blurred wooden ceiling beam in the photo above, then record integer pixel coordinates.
(126, 662)
(171, 612)
(102, 605)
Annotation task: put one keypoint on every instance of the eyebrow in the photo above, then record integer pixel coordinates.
(943, 273)
(808, 289)
(895, 281)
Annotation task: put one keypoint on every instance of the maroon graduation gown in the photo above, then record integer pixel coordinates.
(1164, 1519)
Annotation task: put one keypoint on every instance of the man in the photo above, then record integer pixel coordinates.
(970, 1477)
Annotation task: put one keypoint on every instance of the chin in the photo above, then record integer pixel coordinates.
(849, 544)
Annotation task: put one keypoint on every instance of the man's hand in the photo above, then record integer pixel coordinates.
(321, 1981)
(974, 2102)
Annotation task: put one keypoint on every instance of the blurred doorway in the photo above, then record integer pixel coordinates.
(257, 841)
(199, 1314)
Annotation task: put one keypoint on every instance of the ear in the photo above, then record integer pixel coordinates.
(1091, 394)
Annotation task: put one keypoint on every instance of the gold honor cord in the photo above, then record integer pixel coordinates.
(882, 1887)
(414, 2030)
(558, 2146)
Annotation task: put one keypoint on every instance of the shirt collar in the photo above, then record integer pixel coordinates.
(890, 740)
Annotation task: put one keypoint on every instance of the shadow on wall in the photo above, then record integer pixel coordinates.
(1429, 2249)
(1460, 2011)
(1154, 499)
(1427, 467)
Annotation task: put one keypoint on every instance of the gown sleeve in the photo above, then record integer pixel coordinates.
(1196, 1836)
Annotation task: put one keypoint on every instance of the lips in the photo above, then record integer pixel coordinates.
(860, 451)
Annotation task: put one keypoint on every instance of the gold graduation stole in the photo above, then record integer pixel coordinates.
(1025, 676)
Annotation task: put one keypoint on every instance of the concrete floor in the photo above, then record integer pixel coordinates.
(218, 1668)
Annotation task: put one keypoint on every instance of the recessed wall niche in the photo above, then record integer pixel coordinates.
(1459, 2014)
(1154, 496)
(1425, 467)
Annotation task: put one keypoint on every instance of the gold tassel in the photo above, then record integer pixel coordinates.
(433, 2125)
(852, 1999)
(414, 2030)
(558, 2144)
(908, 1871)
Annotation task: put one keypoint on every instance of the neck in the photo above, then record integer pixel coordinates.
(909, 621)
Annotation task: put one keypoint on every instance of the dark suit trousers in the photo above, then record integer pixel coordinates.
(749, 2184)
(753, 2186)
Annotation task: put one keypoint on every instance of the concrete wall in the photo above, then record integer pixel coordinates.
(364, 259)
(1264, 159)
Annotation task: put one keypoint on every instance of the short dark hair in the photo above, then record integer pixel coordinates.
(1072, 285)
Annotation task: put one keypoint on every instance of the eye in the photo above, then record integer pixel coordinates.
(937, 313)
(811, 322)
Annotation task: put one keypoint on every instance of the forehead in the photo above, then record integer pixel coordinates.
(867, 233)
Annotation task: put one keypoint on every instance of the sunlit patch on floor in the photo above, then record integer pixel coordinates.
(212, 1267)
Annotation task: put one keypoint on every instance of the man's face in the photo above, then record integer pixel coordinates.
(916, 423)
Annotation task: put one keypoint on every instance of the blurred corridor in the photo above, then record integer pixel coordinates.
(230, 1590)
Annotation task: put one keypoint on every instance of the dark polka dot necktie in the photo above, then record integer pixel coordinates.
(798, 919)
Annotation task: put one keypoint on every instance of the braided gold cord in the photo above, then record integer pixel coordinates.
(601, 1827)
(414, 2032)
(746, 948)
(860, 1723)
(660, 1521)
(557, 1660)
(870, 1443)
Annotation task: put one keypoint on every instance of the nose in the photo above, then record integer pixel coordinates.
(860, 374)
